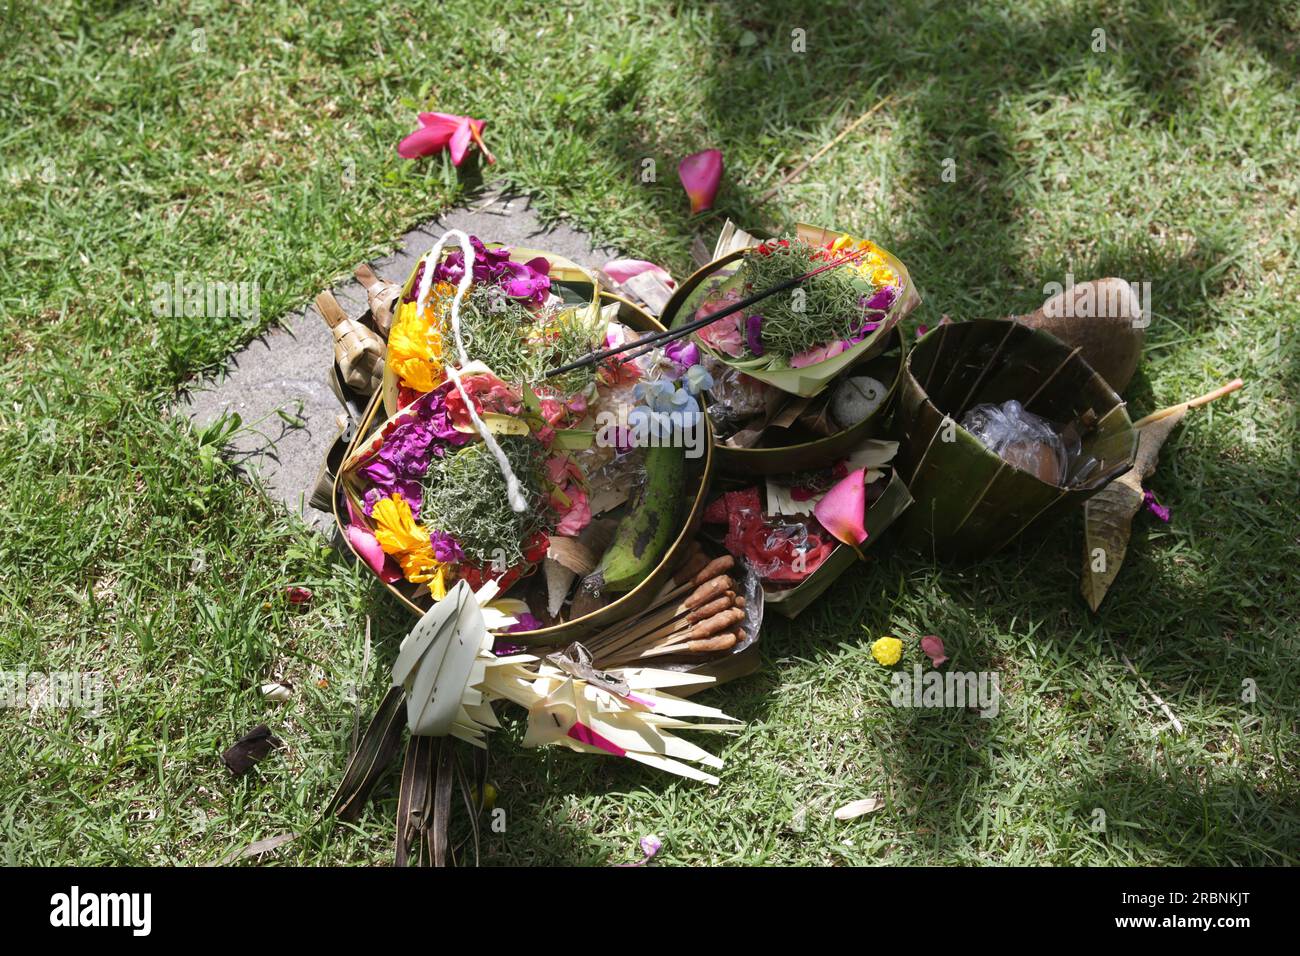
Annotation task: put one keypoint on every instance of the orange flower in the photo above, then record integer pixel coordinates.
(399, 535)
(415, 346)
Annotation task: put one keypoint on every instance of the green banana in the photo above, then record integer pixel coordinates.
(646, 531)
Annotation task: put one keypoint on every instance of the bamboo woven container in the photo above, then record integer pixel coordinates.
(699, 472)
(968, 501)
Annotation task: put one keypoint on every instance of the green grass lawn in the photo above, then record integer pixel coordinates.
(241, 141)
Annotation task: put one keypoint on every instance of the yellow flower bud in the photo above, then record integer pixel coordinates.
(887, 651)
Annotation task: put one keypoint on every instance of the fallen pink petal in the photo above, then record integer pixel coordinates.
(932, 646)
(700, 174)
(620, 270)
(298, 595)
(843, 509)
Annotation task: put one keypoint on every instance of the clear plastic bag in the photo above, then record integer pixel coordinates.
(1020, 438)
(735, 398)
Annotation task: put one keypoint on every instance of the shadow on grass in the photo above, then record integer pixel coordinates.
(965, 238)
(950, 67)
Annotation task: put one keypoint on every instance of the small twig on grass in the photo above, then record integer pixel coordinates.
(839, 137)
(1178, 724)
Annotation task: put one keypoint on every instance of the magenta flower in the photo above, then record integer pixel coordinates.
(489, 264)
(403, 458)
(446, 548)
(882, 300)
(439, 131)
(529, 280)
(700, 174)
(1155, 507)
(682, 354)
(523, 622)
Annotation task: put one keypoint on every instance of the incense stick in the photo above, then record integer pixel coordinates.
(649, 342)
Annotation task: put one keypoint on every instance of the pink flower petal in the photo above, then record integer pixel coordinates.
(932, 645)
(620, 270)
(459, 142)
(700, 174)
(439, 131)
(447, 122)
(813, 356)
(578, 515)
(298, 594)
(844, 507)
(425, 141)
(367, 547)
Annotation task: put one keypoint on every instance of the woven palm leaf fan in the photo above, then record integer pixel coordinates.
(445, 681)
(968, 501)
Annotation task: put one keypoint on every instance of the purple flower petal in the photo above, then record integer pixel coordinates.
(1155, 507)
(754, 334)
(882, 300)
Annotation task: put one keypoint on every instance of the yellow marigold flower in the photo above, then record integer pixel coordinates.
(887, 651)
(872, 265)
(399, 535)
(415, 346)
(882, 276)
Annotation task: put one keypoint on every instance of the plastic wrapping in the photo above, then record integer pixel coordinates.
(1019, 438)
(735, 398)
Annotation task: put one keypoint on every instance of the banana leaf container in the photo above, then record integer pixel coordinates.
(883, 513)
(968, 502)
(881, 360)
(417, 600)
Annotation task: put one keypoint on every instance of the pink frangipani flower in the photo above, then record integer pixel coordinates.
(439, 131)
(700, 174)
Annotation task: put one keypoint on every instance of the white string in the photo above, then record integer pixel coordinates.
(513, 492)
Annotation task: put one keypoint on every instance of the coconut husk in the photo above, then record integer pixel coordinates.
(1104, 319)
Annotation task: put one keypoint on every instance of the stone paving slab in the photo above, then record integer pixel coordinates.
(287, 367)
